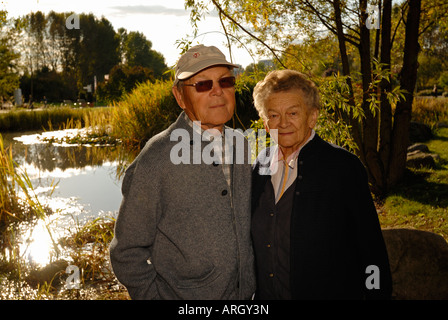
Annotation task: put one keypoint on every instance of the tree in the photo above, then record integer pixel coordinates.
(316, 56)
(9, 79)
(74, 57)
(259, 67)
(47, 83)
(433, 60)
(136, 51)
(98, 49)
(123, 79)
(79, 55)
(381, 136)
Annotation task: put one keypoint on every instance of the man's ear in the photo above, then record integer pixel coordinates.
(179, 97)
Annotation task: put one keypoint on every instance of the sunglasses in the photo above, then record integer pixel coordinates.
(207, 85)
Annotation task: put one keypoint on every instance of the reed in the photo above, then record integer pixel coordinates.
(430, 111)
(48, 119)
(18, 203)
(11, 208)
(89, 249)
(97, 125)
(148, 110)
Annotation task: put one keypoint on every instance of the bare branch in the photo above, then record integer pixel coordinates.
(324, 20)
(227, 36)
(221, 11)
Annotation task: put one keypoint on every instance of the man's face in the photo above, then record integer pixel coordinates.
(212, 108)
(288, 113)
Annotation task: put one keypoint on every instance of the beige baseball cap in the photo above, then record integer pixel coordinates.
(198, 58)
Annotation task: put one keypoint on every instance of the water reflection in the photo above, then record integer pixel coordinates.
(77, 183)
(38, 245)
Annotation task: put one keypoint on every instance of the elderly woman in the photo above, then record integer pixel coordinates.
(315, 229)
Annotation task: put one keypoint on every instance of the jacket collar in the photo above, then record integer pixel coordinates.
(264, 163)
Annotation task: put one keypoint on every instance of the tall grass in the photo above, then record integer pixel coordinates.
(22, 120)
(148, 110)
(19, 203)
(430, 111)
(11, 207)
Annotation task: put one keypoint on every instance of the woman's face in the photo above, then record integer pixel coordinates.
(288, 113)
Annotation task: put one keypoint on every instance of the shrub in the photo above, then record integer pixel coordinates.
(424, 93)
(122, 79)
(146, 111)
(245, 112)
(443, 80)
(430, 111)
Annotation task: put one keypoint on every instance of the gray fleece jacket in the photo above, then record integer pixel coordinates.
(177, 235)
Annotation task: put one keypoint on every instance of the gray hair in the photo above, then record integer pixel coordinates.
(285, 80)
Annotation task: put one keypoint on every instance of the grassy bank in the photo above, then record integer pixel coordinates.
(430, 111)
(50, 118)
(420, 201)
(86, 247)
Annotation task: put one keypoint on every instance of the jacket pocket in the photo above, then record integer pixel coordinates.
(204, 280)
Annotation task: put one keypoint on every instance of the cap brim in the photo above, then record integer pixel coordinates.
(201, 66)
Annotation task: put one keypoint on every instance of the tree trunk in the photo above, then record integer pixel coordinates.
(408, 78)
(385, 86)
(370, 122)
(378, 34)
(355, 127)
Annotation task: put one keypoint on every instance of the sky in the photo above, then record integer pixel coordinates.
(161, 21)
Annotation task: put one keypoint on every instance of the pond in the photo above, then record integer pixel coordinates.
(78, 183)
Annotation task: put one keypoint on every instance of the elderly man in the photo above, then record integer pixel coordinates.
(183, 229)
(315, 229)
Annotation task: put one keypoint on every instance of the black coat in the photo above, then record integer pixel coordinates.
(335, 232)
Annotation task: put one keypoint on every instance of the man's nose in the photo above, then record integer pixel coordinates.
(216, 89)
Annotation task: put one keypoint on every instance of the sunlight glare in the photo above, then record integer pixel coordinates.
(38, 246)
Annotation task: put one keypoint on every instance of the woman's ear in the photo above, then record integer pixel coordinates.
(312, 118)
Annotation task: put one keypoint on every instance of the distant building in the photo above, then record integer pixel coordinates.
(239, 70)
(18, 97)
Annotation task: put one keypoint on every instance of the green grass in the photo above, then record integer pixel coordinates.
(420, 201)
